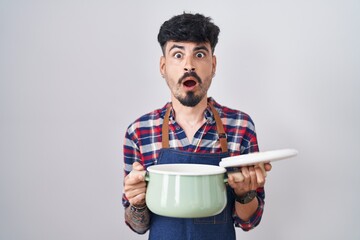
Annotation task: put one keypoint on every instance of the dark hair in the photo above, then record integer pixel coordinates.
(189, 27)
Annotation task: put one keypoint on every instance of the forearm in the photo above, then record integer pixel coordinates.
(252, 219)
(137, 219)
(246, 211)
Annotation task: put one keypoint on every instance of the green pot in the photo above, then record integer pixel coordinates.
(186, 190)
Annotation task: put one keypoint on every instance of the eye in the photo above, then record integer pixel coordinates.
(200, 55)
(178, 55)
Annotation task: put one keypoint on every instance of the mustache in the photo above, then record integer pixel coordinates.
(190, 74)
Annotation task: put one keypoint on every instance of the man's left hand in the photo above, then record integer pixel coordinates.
(254, 178)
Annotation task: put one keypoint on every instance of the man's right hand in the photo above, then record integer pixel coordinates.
(135, 186)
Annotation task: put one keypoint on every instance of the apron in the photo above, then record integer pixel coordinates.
(215, 227)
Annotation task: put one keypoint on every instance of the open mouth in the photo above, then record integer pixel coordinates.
(189, 83)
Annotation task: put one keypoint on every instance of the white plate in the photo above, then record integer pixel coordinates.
(259, 157)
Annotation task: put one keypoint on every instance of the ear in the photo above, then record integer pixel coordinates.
(162, 66)
(213, 65)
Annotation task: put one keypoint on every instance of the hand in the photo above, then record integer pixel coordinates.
(253, 178)
(135, 186)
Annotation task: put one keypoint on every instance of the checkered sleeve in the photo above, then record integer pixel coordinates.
(256, 217)
(131, 155)
(250, 145)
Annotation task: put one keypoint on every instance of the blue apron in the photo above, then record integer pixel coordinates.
(215, 227)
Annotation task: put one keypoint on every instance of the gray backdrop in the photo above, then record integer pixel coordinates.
(74, 74)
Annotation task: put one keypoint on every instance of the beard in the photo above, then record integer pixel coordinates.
(190, 99)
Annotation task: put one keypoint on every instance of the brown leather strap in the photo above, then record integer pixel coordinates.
(219, 128)
(165, 129)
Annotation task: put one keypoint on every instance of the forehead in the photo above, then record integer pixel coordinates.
(190, 46)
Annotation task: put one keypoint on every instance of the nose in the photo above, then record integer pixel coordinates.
(187, 69)
(189, 66)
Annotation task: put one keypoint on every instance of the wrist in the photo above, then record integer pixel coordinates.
(138, 209)
(246, 197)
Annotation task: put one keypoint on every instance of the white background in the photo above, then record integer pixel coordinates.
(74, 74)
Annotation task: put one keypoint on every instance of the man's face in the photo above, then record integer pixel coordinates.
(188, 69)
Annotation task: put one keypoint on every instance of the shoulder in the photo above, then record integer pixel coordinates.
(233, 117)
(148, 120)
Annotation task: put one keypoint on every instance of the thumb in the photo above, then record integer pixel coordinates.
(137, 166)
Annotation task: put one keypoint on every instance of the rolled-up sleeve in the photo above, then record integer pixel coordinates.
(256, 217)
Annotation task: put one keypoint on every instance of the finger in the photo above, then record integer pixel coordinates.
(139, 175)
(130, 185)
(245, 173)
(139, 200)
(231, 180)
(133, 179)
(132, 193)
(137, 166)
(236, 176)
(137, 171)
(236, 186)
(132, 190)
(260, 178)
(268, 167)
(262, 167)
(253, 178)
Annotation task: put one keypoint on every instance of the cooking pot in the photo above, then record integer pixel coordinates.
(186, 190)
(199, 190)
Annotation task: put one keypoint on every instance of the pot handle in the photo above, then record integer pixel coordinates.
(238, 176)
(235, 172)
(143, 173)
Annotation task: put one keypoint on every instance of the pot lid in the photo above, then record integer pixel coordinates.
(258, 157)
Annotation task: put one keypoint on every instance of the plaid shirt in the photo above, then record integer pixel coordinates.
(143, 143)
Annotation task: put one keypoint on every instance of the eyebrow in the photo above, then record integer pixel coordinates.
(176, 46)
(202, 47)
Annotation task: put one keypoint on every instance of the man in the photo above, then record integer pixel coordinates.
(188, 65)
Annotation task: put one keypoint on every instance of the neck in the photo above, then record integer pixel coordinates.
(189, 116)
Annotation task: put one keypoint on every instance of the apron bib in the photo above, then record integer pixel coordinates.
(215, 227)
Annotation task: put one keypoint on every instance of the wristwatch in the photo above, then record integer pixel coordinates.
(138, 209)
(248, 197)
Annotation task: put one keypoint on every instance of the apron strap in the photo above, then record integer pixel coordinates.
(165, 129)
(219, 128)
